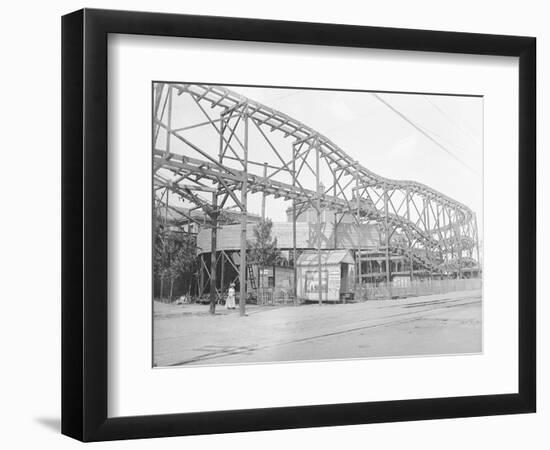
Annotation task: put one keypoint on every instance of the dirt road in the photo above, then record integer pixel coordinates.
(430, 325)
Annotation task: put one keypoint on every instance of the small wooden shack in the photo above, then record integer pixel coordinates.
(337, 275)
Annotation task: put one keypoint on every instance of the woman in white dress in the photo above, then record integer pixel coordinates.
(230, 301)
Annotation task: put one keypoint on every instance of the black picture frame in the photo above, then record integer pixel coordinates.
(84, 224)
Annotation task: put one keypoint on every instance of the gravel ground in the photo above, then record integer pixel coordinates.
(430, 325)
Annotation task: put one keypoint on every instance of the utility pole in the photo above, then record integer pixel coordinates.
(213, 252)
(264, 194)
(318, 182)
(387, 229)
(411, 262)
(164, 241)
(244, 188)
(477, 243)
(358, 224)
(458, 234)
(334, 194)
(294, 253)
(169, 124)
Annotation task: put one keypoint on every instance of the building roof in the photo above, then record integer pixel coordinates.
(328, 257)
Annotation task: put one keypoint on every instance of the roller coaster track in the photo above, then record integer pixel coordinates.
(417, 221)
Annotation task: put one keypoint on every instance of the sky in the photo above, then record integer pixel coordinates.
(432, 139)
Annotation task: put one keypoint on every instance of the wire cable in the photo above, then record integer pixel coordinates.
(424, 133)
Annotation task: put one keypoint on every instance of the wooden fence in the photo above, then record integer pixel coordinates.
(416, 288)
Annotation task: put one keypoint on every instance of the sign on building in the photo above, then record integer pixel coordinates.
(312, 281)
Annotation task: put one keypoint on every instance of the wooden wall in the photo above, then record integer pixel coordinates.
(306, 236)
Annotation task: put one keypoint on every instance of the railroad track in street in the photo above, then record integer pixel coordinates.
(416, 311)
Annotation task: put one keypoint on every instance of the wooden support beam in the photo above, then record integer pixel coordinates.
(197, 125)
(159, 120)
(306, 138)
(169, 127)
(213, 254)
(234, 108)
(358, 225)
(411, 262)
(264, 194)
(336, 222)
(222, 274)
(231, 134)
(278, 127)
(387, 232)
(242, 271)
(294, 217)
(458, 235)
(204, 94)
(221, 99)
(476, 240)
(212, 122)
(318, 188)
(201, 276)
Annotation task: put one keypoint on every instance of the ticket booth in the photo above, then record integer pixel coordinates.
(336, 275)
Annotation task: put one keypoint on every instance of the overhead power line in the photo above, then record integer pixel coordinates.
(424, 133)
(452, 121)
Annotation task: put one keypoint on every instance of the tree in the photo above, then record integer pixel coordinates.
(159, 256)
(263, 250)
(174, 257)
(182, 260)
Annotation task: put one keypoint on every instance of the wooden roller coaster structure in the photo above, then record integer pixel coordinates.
(416, 221)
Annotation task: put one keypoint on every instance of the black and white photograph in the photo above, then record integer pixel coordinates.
(275, 225)
(301, 224)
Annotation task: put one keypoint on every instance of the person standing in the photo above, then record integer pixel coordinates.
(230, 301)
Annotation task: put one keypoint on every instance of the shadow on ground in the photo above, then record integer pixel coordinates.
(52, 423)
